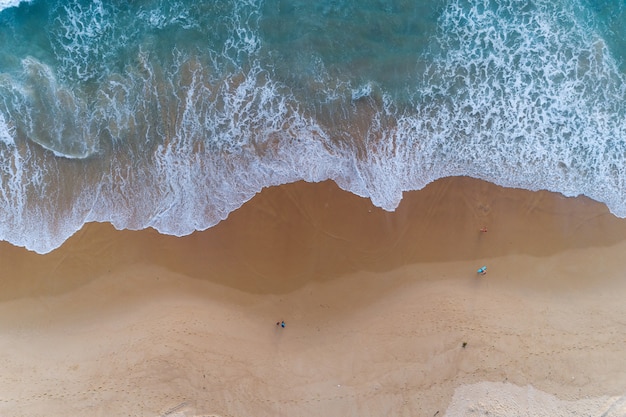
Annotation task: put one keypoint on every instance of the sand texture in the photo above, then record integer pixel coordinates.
(385, 314)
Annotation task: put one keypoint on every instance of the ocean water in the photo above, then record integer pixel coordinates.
(172, 113)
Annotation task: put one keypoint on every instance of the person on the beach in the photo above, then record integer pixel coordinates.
(281, 323)
(484, 229)
(482, 270)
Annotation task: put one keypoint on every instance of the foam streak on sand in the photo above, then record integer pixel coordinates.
(504, 400)
(385, 313)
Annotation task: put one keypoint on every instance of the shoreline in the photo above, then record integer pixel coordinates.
(296, 233)
(377, 305)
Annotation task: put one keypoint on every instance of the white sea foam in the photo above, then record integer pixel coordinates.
(363, 91)
(253, 136)
(522, 98)
(528, 100)
(5, 4)
(59, 118)
(166, 13)
(6, 132)
(519, 98)
(87, 38)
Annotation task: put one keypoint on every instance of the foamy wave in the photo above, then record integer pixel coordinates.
(86, 38)
(523, 99)
(168, 13)
(519, 97)
(230, 141)
(58, 118)
(6, 4)
(528, 99)
(6, 132)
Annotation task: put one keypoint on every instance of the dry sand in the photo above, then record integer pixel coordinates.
(377, 305)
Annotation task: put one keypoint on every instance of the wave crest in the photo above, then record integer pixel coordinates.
(520, 95)
(7, 4)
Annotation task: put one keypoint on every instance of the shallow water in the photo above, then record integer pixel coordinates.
(171, 114)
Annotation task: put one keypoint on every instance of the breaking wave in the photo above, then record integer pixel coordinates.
(172, 114)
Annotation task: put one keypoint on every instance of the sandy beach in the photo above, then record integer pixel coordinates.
(385, 314)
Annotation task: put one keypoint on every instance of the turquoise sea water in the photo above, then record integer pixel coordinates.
(171, 114)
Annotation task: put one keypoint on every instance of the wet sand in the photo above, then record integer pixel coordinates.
(384, 312)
